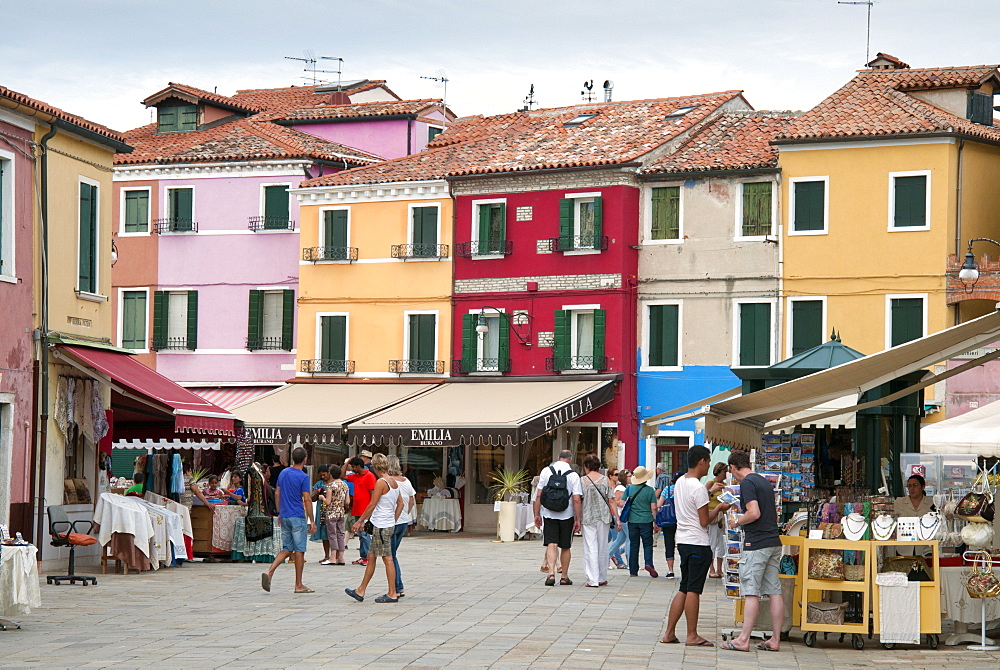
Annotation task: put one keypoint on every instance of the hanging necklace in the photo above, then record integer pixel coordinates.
(854, 526)
(883, 526)
(931, 528)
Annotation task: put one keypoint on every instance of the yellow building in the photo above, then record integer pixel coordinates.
(881, 182)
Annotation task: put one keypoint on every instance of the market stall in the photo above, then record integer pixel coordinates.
(19, 590)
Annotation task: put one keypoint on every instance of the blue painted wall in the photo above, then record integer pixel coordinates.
(660, 392)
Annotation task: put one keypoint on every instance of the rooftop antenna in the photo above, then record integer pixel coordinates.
(588, 91)
(608, 85)
(309, 58)
(529, 100)
(441, 77)
(868, 41)
(340, 65)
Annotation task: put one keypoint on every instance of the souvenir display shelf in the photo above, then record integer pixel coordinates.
(812, 590)
(930, 592)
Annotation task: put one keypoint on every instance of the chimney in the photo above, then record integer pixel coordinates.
(883, 62)
(608, 85)
(338, 98)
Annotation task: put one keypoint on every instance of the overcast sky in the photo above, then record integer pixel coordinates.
(100, 58)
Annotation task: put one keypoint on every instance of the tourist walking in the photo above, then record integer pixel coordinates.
(337, 500)
(640, 521)
(669, 529)
(717, 531)
(383, 511)
(693, 519)
(318, 496)
(596, 520)
(761, 554)
(408, 494)
(559, 503)
(364, 483)
(617, 548)
(294, 507)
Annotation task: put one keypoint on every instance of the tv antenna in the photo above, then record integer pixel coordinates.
(340, 65)
(441, 77)
(868, 41)
(309, 58)
(588, 91)
(529, 100)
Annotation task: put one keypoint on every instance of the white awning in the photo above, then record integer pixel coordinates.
(818, 416)
(976, 432)
(165, 444)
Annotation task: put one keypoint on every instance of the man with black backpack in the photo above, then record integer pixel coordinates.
(559, 503)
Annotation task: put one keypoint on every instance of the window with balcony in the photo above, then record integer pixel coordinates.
(753, 330)
(579, 339)
(272, 313)
(176, 118)
(806, 329)
(420, 345)
(136, 211)
(424, 232)
(331, 345)
(489, 231)
(489, 352)
(755, 212)
(88, 238)
(175, 320)
(276, 210)
(180, 212)
(580, 224)
(132, 316)
(665, 214)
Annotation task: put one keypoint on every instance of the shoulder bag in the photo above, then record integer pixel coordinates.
(603, 497)
(627, 508)
(666, 515)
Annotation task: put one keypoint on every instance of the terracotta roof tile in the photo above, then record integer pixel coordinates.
(730, 141)
(876, 103)
(45, 108)
(615, 133)
(239, 140)
(297, 97)
(354, 110)
(184, 91)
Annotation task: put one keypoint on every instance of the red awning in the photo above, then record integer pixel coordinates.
(229, 396)
(192, 413)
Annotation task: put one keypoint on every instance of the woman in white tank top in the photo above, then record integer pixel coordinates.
(384, 509)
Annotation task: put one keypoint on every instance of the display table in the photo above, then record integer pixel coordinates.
(524, 518)
(214, 527)
(126, 526)
(19, 591)
(963, 610)
(262, 551)
(441, 514)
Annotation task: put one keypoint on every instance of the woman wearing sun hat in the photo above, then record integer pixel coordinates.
(640, 520)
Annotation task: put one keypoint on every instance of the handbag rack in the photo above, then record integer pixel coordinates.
(977, 557)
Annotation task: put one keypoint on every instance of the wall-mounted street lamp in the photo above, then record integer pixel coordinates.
(969, 274)
(483, 328)
(114, 253)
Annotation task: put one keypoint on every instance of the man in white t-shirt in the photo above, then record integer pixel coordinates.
(693, 519)
(559, 525)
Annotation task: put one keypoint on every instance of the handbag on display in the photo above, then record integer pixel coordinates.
(977, 505)
(983, 583)
(826, 564)
(977, 534)
(788, 565)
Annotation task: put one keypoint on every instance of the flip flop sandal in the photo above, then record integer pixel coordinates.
(354, 594)
(706, 643)
(550, 581)
(729, 646)
(265, 582)
(674, 641)
(565, 581)
(763, 647)
(306, 590)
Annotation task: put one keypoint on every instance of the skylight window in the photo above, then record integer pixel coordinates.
(579, 119)
(681, 111)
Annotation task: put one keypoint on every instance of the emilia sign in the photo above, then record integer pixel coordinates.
(430, 437)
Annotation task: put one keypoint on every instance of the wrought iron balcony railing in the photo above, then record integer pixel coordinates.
(461, 366)
(168, 343)
(268, 344)
(405, 251)
(556, 363)
(411, 366)
(327, 365)
(579, 243)
(484, 248)
(174, 225)
(330, 254)
(271, 223)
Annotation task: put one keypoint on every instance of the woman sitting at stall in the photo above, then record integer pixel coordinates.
(236, 494)
(916, 503)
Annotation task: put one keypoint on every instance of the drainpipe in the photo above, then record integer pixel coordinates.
(958, 222)
(409, 136)
(43, 341)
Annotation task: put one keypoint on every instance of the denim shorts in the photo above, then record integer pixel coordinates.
(294, 533)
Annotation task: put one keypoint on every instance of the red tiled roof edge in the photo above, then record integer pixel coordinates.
(201, 94)
(45, 108)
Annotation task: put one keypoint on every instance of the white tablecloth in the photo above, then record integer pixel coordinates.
(956, 603)
(441, 514)
(19, 590)
(523, 518)
(121, 514)
(172, 531)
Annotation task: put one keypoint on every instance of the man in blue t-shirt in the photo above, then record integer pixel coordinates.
(294, 507)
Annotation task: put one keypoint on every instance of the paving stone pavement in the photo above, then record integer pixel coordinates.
(470, 603)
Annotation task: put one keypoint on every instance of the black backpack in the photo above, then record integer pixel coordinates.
(555, 494)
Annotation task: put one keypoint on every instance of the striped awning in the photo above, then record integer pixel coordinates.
(227, 397)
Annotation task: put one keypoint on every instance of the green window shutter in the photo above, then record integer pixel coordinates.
(809, 205)
(425, 225)
(181, 208)
(166, 119)
(192, 324)
(187, 117)
(433, 132)
(88, 238)
(598, 227)
(666, 214)
(503, 348)
(335, 228)
(123, 462)
(910, 201)
(906, 319)
(469, 337)
(600, 323)
(755, 334)
(255, 320)
(980, 108)
(756, 209)
(334, 338)
(275, 207)
(287, 318)
(560, 350)
(566, 223)
(422, 327)
(485, 219)
(134, 319)
(807, 325)
(160, 317)
(136, 211)
(663, 337)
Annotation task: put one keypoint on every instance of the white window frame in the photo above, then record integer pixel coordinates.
(321, 232)
(789, 321)
(574, 310)
(501, 323)
(772, 330)
(789, 225)
(96, 296)
(647, 214)
(273, 289)
(577, 198)
(166, 205)
(121, 316)
(317, 343)
(888, 313)
(739, 236)
(287, 185)
(892, 201)
(7, 217)
(475, 226)
(644, 363)
(121, 209)
(409, 228)
(406, 331)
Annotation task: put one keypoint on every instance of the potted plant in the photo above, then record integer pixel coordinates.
(507, 484)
